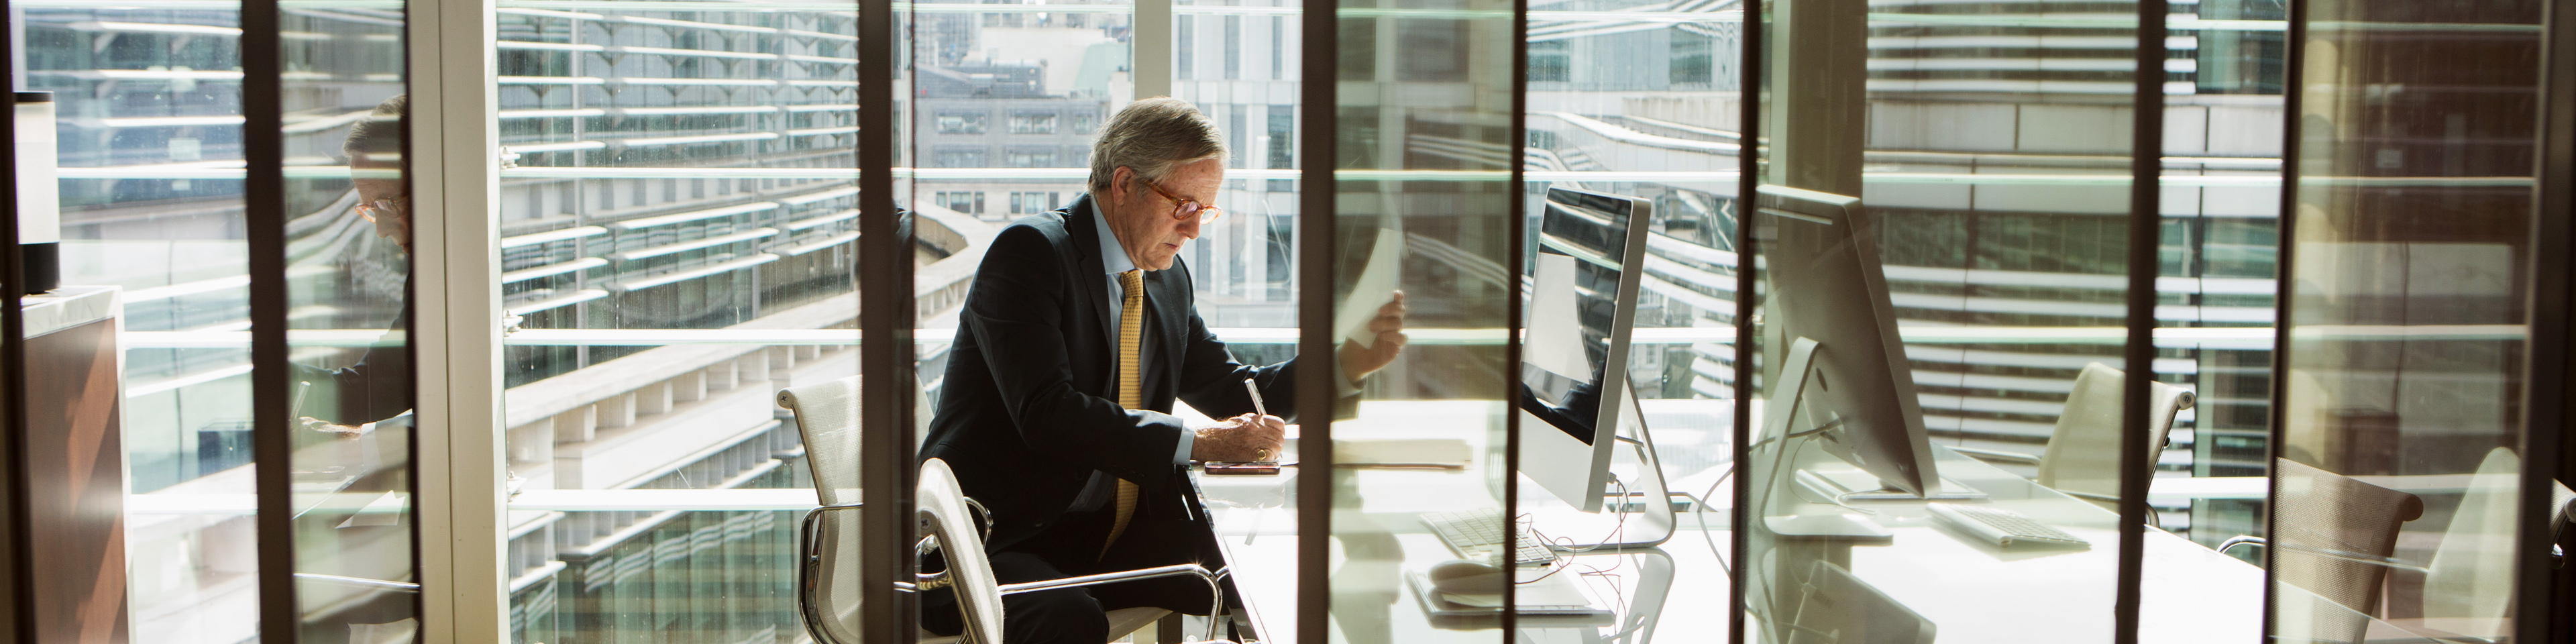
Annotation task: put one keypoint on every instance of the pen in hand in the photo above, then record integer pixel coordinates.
(1256, 397)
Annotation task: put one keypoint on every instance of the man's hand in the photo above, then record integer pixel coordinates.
(345, 432)
(1241, 438)
(1358, 361)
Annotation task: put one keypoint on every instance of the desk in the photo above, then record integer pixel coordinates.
(1973, 592)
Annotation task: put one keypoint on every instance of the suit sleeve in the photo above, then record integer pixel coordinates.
(1016, 310)
(377, 388)
(1212, 382)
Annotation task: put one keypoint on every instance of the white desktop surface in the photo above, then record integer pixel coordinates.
(1972, 592)
(1255, 522)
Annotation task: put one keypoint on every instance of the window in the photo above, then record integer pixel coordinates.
(963, 122)
(1690, 56)
(1185, 42)
(960, 158)
(1283, 144)
(1032, 158)
(1233, 48)
(971, 203)
(1033, 123)
(1548, 62)
(1030, 203)
(622, 230)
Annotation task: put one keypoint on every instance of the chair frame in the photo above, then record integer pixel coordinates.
(809, 578)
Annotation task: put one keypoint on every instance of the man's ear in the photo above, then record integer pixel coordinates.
(1121, 181)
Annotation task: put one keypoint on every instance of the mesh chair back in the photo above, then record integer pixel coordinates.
(2471, 575)
(941, 507)
(827, 416)
(2319, 512)
(2084, 452)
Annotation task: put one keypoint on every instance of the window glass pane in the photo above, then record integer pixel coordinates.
(1422, 203)
(146, 127)
(2216, 256)
(1943, 233)
(1634, 112)
(2414, 204)
(678, 224)
(348, 219)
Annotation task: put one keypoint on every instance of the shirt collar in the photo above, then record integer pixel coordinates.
(1113, 257)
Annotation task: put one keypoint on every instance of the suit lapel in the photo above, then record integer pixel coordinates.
(1094, 278)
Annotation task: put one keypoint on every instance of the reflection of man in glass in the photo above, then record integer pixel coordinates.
(1075, 341)
(378, 386)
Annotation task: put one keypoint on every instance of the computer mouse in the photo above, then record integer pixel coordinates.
(1467, 577)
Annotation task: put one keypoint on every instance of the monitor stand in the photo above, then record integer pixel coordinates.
(1805, 521)
(1659, 520)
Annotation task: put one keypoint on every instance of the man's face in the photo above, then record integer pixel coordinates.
(397, 226)
(1143, 220)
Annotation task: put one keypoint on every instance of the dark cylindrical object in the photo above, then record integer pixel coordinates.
(40, 229)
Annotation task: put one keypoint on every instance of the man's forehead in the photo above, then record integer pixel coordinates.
(1198, 178)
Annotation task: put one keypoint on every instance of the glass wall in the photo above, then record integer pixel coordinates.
(1422, 162)
(348, 321)
(1942, 242)
(678, 213)
(2402, 403)
(1642, 106)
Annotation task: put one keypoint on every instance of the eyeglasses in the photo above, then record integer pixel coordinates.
(382, 208)
(1185, 208)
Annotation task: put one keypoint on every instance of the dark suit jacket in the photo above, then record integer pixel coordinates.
(1029, 409)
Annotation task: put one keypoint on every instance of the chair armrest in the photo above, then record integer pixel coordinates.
(1997, 455)
(809, 578)
(2338, 555)
(1216, 592)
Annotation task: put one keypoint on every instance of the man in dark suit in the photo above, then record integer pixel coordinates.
(1077, 456)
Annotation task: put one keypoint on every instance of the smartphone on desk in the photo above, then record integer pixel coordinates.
(1240, 468)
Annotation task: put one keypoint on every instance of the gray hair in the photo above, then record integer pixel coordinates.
(1153, 136)
(378, 136)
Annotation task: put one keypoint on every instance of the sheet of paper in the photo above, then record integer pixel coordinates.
(1374, 289)
(1555, 341)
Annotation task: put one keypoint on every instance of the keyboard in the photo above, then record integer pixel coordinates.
(2003, 527)
(1477, 534)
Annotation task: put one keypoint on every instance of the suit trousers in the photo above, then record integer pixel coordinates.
(1071, 548)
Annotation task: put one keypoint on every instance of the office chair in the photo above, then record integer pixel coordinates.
(2333, 536)
(2083, 456)
(2468, 583)
(942, 510)
(827, 418)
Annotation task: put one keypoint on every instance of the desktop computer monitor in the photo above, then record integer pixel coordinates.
(1585, 263)
(1827, 286)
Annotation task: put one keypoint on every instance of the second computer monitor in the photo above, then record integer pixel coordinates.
(1582, 302)
(1826, 285)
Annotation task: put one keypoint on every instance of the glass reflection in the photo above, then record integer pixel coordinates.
(678, 222)
(1942, 237)
(2398, 465)
(349, 275)
(147, 118)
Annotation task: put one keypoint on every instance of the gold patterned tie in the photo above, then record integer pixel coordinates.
(1131, 383)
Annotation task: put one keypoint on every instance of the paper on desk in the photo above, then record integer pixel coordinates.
(1402, 452)
(1374, 289)
(1555, 340)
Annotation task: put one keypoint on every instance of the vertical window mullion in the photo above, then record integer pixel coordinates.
(264, 205)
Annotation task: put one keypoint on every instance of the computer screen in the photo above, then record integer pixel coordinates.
(1582, 300)
(1822, 261)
